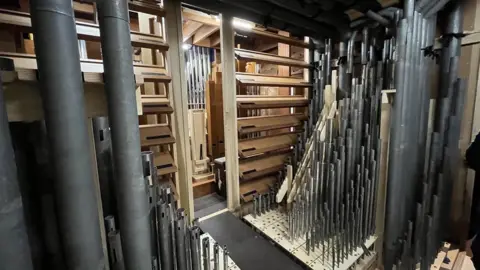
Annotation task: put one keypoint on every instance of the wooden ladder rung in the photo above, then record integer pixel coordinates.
(157, 134)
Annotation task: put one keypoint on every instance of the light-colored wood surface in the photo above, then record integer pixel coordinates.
(230, 111)
(164, 163)
(260, 186)
(263, 145)
(260, 102)
(268, 58)
(270, 80)
(264, 123)
(152, 135)
(178, 94)
(254, 168)
(85, 31)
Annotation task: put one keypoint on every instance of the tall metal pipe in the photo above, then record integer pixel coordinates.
(133, 208)
(61, 84)
(14, 244)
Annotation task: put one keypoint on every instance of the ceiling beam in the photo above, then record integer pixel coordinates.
(204, 32)
(189, 28)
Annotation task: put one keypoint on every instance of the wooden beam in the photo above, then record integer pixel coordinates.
(86, 31)
(189, 28)
(268, 58)
(230, 111)
(192, 15)
(204, 32)
(86, 8)
(151, 8)
(215, 40)
(178, 93)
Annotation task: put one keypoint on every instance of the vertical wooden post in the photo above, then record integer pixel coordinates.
(230, 110)
(178, 93)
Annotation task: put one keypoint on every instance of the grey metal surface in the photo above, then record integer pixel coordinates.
(247, 249)
(130, 187)
(14, 244)
(58, 61)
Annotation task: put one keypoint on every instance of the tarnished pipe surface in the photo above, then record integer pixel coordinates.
(130, 186)
(14, 246)
(62, 94)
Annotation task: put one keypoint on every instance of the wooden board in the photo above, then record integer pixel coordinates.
(153, 104)
(164, 163)
(198, 137)
(262, 102)
(249, 79)
(86, 31)
(262, 185)
(151, 135)
(264, 123)
(149, 73)
(264, 145)
(267, 58)
(215, 130)
(261, 166)
(149, 7)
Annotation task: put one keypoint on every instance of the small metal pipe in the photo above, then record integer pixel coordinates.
(58, 60)
(378, 18)
(14, 244)
(120, 84)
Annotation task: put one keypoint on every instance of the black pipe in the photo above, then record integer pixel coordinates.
(58, 61)
(133, 208)
(14, 244)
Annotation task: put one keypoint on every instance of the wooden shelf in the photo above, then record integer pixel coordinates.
(263, 102)
(249, 79)
(262, 145)
(264, 123)
(203, 179)
(261, 166)
(267, 58)
(150, 7)
(153, 104)
(262, 185)
(149, 73)
(86, 31)
(164, 163)
(158, 134)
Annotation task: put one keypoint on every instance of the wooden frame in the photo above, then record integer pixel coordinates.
(264, 123)
(85, 31)
(267, 58)
(176, 65)
(230, 111)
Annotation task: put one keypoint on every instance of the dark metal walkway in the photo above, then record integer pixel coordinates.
(248, 249)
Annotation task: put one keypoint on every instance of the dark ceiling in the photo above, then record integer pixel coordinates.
(315, 18)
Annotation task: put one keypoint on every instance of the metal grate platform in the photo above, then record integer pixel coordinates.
(274, 225)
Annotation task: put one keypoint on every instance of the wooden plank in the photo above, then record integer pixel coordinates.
(386, 109)
(249, 79)
(261, 166)
(154, 104)
(458, 265)
(86, 31)
(452, 256)
(230, 111)
(440, 257)
(86, 8)
(202, 179)
(149, 7)
(164, 163)
(259, 102)
(178, 94)
(264, 123)
(189, 28)
(268, 58)
(198, 138)
(203, 33)
(189, 14)
(152, 135)
(264, 145)
(259, 186)
(149, 73)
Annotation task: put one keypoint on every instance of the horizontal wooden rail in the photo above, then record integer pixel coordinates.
(151, 135)
(85, 31)
(261, 166)
(249, 79)
(153, 104)
(264, 123)
(262, 102)
(149, 73)
(258, 186)
(267, 58)
(164, 163)
(263, 145)
(149, 7)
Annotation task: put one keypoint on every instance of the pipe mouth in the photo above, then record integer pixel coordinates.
(7, 64)
(147, 153)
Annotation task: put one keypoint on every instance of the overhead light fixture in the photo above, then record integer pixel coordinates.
(243, 24)
(186, 46)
